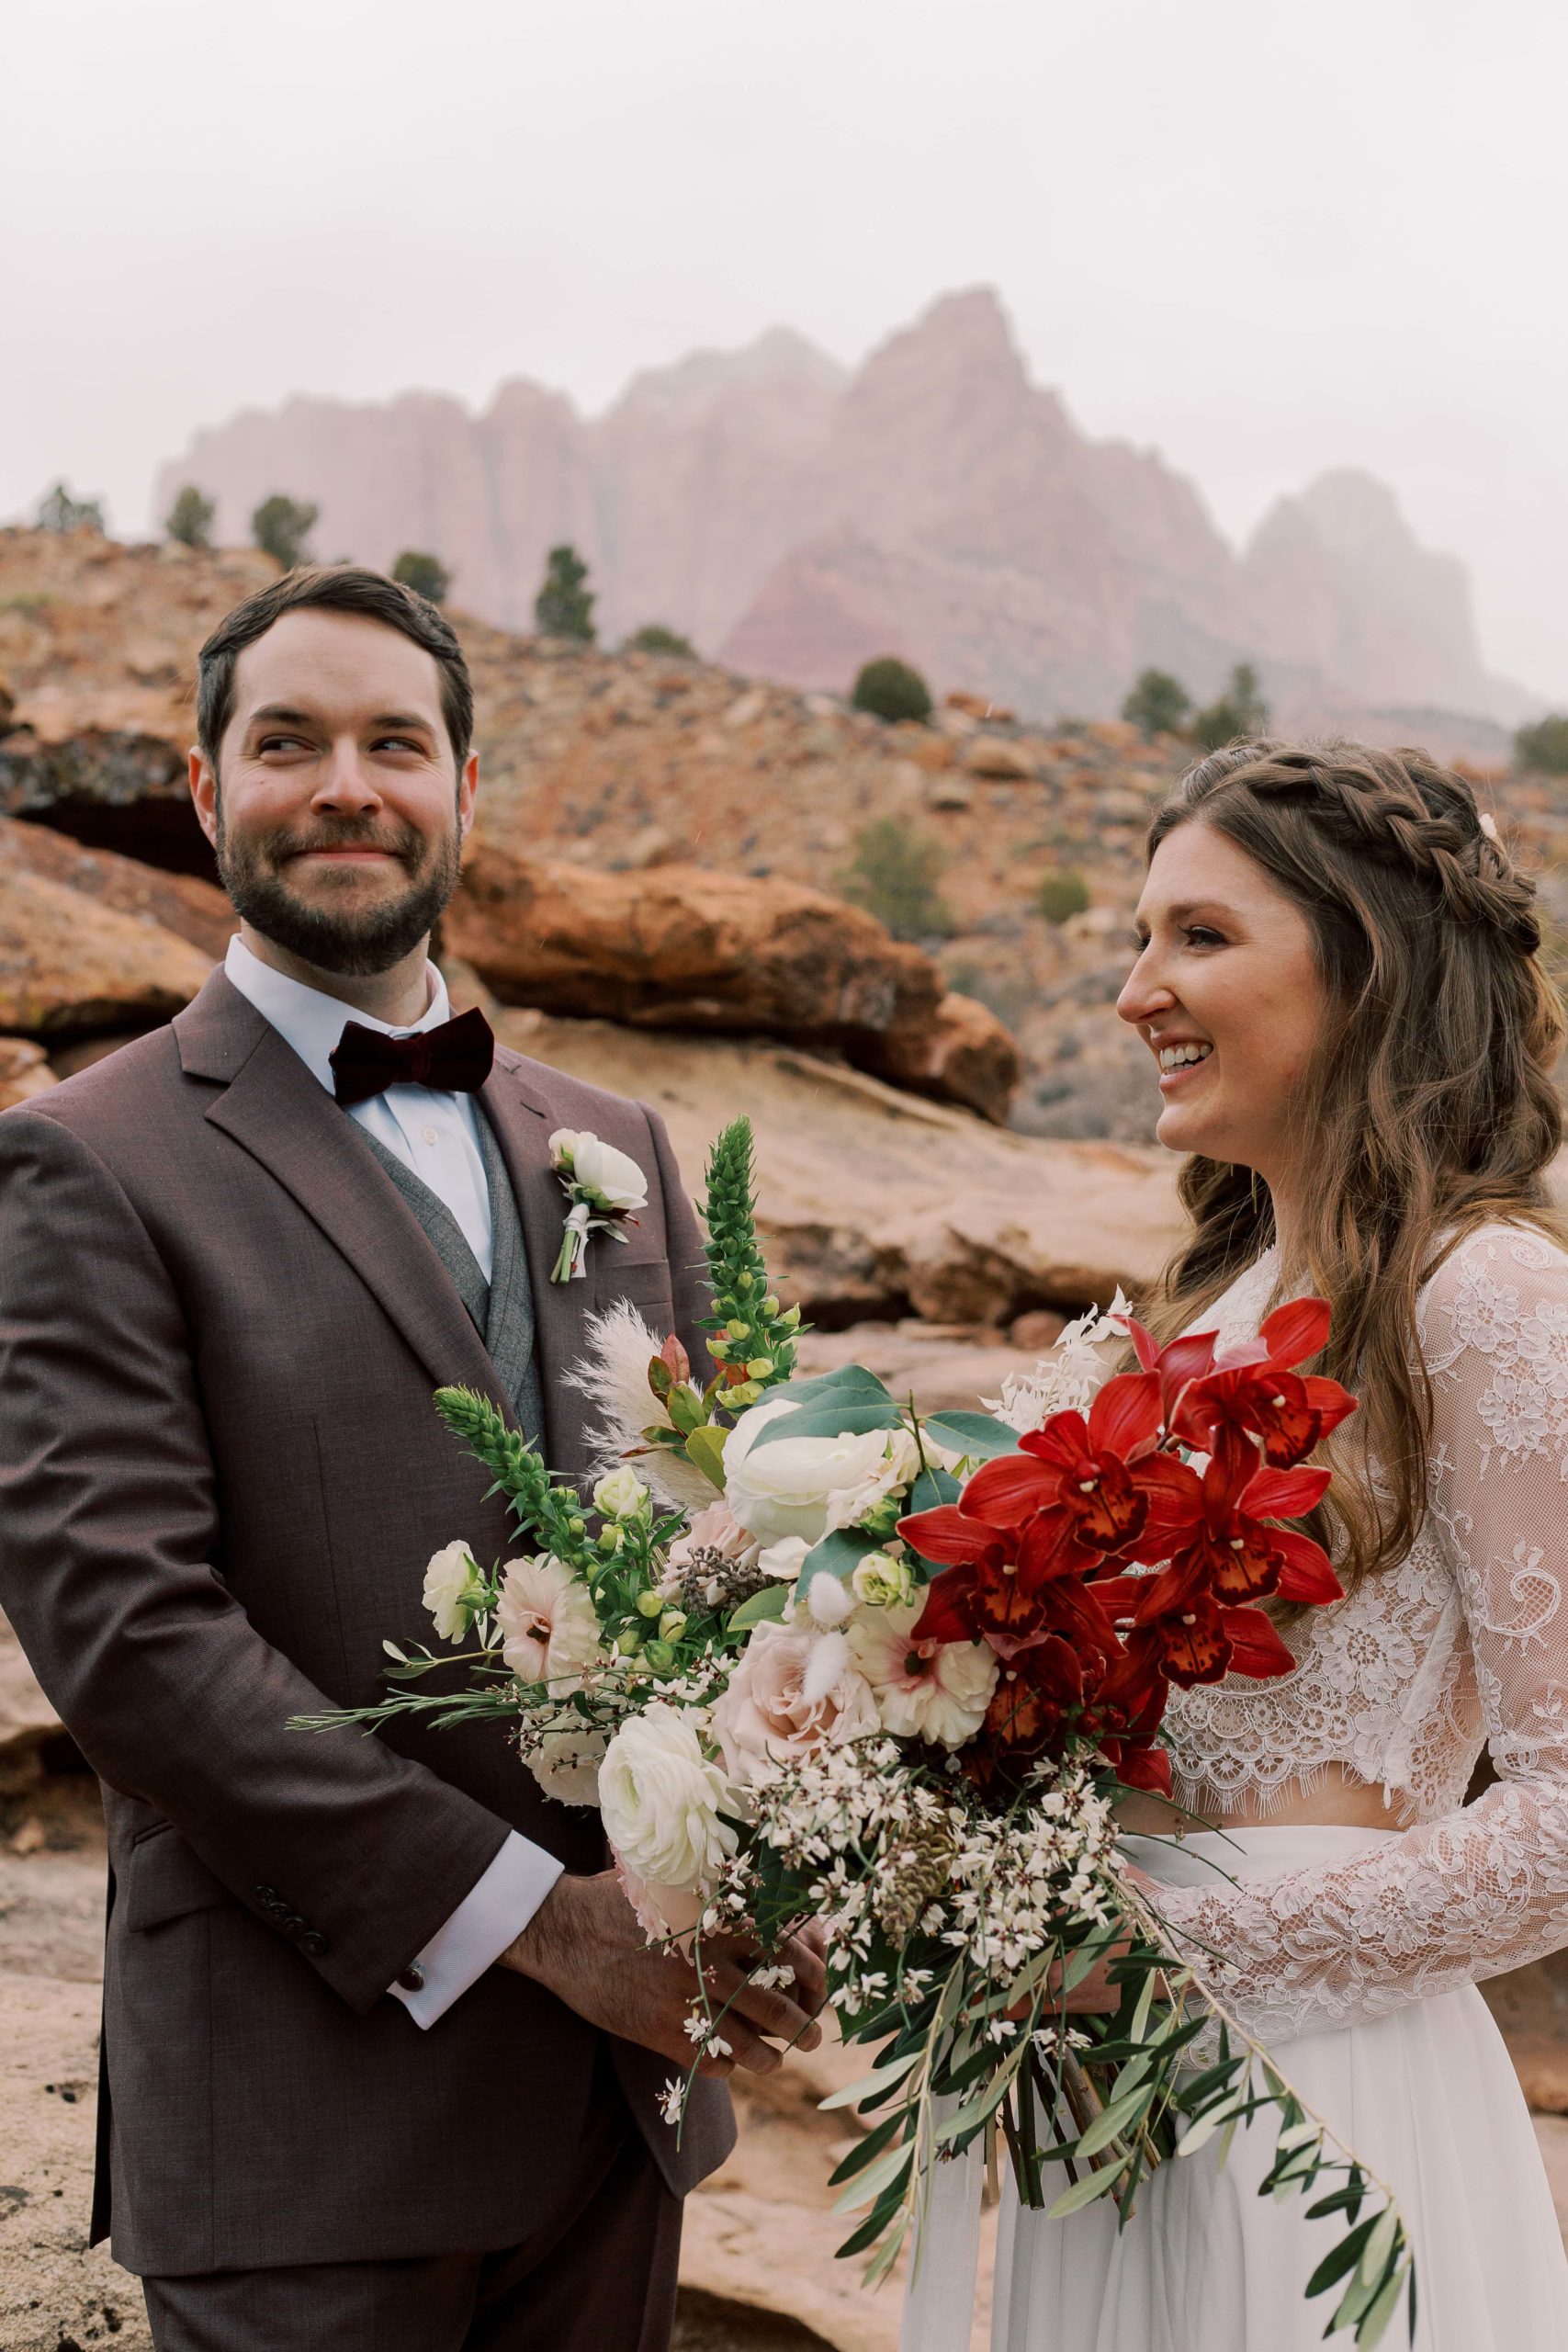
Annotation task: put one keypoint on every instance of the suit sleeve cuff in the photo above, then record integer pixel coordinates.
(491, 1914)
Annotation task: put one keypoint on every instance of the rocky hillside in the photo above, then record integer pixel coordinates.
(794, 520)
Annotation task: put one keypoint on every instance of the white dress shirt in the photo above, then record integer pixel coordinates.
(435, 1133)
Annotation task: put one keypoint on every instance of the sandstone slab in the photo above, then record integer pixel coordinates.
(195, 910)
(967, 1056)
(70, 965)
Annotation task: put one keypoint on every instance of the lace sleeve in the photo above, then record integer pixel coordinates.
(1483, 1889)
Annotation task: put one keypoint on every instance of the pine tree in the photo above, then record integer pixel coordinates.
(425, 574)
(61, 512)
(189, 519)
(564, 606)
(1159, 704)
(281, 526)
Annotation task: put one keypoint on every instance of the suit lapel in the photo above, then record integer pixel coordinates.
(278, 1113)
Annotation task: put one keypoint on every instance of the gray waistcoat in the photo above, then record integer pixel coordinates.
(501, 1309)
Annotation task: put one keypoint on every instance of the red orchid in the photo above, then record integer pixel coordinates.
(1233, 1554)
(1185, 1636)
(1175, 1366)
(1262, 1396)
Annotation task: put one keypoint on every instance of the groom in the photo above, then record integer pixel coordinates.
(383, 2043)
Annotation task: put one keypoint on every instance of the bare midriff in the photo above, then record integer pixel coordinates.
(1337, 1799)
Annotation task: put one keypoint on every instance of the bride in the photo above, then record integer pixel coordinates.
(1338, 977)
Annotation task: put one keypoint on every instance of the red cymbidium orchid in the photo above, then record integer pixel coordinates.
(1257, 1393)
(1035, 1553)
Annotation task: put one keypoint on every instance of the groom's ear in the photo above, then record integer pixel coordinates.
(467, 791)
(204, 793)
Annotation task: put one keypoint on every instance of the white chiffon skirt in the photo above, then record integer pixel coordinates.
(1428, 2097)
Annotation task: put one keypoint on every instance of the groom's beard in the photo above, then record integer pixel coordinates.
(254, 872)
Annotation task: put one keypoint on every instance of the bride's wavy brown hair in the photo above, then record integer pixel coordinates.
(1430, 1108)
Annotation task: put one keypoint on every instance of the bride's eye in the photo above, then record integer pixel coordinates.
(1201, 934)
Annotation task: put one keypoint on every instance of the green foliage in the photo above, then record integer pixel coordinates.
(1062, 893)
(889, 689)
(564, 606)
(654, 637)
(280, 527)
(61, 512)
(1158, 703)
(189, 519)
(1239, 716)
(751, 1332)
(425, 574)
(552, 1512)
(894, 876)
(1544, 745)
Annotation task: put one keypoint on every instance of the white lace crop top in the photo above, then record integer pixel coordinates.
(1465, 1641)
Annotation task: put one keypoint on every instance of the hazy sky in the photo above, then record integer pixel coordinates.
(1265, 239)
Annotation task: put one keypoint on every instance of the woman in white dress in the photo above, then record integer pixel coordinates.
(1339, 981)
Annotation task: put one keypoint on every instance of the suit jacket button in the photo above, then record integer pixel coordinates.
(268, 1895)
(313, 1943)
(411, 1978)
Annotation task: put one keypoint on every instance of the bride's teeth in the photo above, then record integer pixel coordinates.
(1176, 1057)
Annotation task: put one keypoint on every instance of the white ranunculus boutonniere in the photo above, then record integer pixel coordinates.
(603, 1187)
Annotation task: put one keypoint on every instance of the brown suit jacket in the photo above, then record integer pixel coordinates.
(221, 1478)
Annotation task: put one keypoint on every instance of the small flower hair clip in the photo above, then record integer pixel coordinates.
(1489, 827)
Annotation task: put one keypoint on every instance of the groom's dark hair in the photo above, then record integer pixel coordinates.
(331, 588)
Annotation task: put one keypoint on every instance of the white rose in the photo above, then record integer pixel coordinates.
(662, 1800)
(450, 1580)
(548, 1625)
(935, 1691)
(784, 1559)
(620, 1494)
(600, 1169)
(802, 1485)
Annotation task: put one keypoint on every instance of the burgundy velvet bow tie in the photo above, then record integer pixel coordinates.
(455, 1058)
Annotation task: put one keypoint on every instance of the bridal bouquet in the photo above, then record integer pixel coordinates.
(816, 1657)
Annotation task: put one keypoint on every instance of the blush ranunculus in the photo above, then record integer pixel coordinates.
(791, 1691)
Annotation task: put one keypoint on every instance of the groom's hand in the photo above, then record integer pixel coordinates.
(584, 1944)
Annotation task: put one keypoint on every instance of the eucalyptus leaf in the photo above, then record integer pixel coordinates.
(838, 1554)
(832, 1417)
(771, 1601)
(978, 1435)
(931, 1488)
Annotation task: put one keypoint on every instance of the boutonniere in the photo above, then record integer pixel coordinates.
(603, 1187)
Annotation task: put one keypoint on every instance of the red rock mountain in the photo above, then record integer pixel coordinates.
(794, 520)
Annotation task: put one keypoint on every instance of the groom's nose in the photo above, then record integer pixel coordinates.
(345, 783)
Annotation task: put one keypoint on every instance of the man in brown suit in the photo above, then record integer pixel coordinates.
(383, 2043)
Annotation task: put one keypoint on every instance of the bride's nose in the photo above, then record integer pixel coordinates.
(1145, 995)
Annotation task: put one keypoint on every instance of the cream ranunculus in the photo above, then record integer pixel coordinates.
(790, 1692)
(549, 1626)
(620, 1494)
(935, 1691)
(662, 1803)
(600, 1169)
(883, 1582)
(450, 1580)
(804, 1486)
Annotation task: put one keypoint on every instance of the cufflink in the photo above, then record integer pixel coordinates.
(411, 1978)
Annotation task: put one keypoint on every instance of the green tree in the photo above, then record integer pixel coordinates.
(189, 519)
(1544, 745)
(564, 606)
(60, 512)
(654, 637)
(1062, 892)
(1159, 704)
(894, 876)
(425, 574)
(889, 689)
(280, 527)
(1238, 716)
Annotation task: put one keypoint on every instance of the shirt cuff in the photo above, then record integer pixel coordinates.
(493, 1915)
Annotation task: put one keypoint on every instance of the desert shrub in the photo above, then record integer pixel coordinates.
(425, 574)
(1062, 892)
(189, 519)
(1238, 715)
(1159, 704)
(60, 512)
(564, 606)
(281, 527)
(889, 689)
(1544, 745)
(654, 637)
(894, 876)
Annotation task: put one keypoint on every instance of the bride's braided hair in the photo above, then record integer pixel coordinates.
(1432, 1107)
